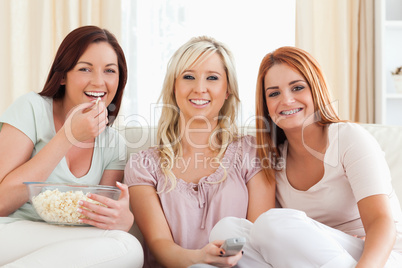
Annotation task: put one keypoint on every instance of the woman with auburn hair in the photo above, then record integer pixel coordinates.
(310, 69)
(332, 181)
(201, 170)
(337, 207)
(62, 135)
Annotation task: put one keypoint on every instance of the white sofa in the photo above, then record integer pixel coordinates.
(389, 138)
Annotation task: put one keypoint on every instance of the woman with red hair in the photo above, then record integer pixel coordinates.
(338, 207)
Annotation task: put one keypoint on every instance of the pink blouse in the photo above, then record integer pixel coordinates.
(190, 213)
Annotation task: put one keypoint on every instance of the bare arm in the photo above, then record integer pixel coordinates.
(155, 229)
(16, 149)
(110, 177)
(376, 215)
(16, 167)
(261, 196)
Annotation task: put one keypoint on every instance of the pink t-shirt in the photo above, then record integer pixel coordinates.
(192, 214)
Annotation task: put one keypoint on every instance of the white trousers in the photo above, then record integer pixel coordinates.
(282, 238)
(37, 244)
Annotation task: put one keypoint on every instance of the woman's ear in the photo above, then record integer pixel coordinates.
(227, 94)
(63, 81)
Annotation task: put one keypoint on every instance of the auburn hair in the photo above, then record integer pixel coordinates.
(67, 56)
(269, 135)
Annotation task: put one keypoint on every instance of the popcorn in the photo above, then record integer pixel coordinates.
(60, 207)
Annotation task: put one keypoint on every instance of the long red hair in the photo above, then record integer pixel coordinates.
(269, 135)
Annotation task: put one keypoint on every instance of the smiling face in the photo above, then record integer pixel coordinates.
(96, 74)
(288, 97)
(202, 89)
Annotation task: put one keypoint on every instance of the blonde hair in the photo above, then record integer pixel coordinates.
(308, 67)
(193, 52)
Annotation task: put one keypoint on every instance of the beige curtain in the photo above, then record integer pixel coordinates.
(340, 35)
(31, 31)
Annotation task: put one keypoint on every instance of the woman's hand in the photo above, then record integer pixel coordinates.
(85, 122)
(212, 254)
(115, 216)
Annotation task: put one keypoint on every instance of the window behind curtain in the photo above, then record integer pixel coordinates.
(154, 29)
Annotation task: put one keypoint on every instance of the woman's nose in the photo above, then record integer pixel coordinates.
(97, 78)
(287, 98)
(200, 86)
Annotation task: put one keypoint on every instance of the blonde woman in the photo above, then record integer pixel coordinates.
(201, 170)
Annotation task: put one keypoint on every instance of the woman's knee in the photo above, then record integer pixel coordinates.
(229, 227)
(277, 225)
(280, 217)
(133, 254)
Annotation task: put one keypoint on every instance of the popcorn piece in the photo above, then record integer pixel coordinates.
(60, 207)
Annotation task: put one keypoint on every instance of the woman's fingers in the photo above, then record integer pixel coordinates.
(107, 213)
(124, 191)
(103, 215)
(213, 255)
(86, 121)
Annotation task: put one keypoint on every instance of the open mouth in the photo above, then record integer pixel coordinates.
(290, 112)
(93, 94)
(200, 102)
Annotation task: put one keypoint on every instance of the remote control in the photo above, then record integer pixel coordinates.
(233, 245)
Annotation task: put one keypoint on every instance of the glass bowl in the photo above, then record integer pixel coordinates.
(57, 203)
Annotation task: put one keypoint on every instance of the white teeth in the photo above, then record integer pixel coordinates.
(291, 111)
(200, 102)
(95, 94)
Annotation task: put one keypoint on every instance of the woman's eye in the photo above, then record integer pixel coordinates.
(110, 71)
(84, 69)
(188, 77)
(273, 94)
(298, 88)
(212, 77)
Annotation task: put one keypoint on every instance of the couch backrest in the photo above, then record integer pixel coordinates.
(389, 138)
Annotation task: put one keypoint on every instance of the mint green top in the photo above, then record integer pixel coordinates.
(33, 115)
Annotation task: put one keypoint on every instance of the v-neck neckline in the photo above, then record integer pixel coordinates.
(64, 160)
